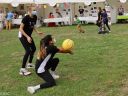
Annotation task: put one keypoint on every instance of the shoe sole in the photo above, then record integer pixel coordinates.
(24, 74)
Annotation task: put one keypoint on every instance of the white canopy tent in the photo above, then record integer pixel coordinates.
(5, 1)
(19, 1)
(51, 2)
(15, 3)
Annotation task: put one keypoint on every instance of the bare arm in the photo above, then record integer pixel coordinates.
(36, 30)
(40, 33)
(22, 31)
(61, 50)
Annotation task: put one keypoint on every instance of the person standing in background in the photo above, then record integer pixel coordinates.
(120, 10)
(9, 18)
(51, 24)
(81, 12)
(99, 20)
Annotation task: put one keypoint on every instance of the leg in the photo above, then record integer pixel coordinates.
(33, 49)
(49, 82)
(54, 63)
(108, 26)
(59, 23)
(10, 25)
(100, 29)
(7, 24)
(26, 46)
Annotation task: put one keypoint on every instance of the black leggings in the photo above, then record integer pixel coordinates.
(47, 77)
(30, 49)
(49, 81)
(52, 64)
(106, 23)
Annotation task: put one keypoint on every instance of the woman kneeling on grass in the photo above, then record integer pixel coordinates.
(46, 64)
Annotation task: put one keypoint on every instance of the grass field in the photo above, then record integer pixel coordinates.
(99, 66)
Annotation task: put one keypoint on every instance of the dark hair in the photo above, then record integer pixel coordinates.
(44, 42)
(100, 9)
(50, 13)
(46, 39)
(104, 10)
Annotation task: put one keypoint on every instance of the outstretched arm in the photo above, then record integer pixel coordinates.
(40, 33)
(61, 50)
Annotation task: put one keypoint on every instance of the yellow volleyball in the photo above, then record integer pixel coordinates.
(68, 44)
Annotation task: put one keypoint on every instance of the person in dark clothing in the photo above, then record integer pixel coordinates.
(105, 19)
(81, 11)
(99, 14)
(46, 63)
(99, 21)
(25, 32)
(121, 10)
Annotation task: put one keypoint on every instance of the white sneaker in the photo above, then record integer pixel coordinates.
(30, 65)
(31, 90)
(109, 30)
(24, 72)
(55, 76)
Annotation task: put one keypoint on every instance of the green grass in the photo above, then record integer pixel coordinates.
(99, 66)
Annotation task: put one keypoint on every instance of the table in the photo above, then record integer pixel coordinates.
(88, 19)
(119, 17)
(122, 18)
(63, 19)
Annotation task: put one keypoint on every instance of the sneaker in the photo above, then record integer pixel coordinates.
(24, 72)
(109, 30)
(31, 90)
(30, 65)
(55, 76)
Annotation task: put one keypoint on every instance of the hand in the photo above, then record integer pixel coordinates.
(29, 39)
(70, 52)
(40, 33)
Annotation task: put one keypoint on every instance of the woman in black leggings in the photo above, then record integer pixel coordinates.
(25, 32)
(46, 63)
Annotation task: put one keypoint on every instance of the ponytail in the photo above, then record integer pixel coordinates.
(42, 52)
